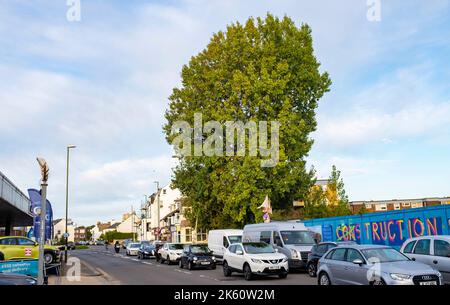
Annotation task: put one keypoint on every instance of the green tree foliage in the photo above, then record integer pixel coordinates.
(263, 70)
(331, 202)
(114, 235)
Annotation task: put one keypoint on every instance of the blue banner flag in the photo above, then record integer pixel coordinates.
(35, 197)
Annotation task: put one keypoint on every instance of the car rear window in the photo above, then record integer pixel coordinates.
(422, 247)
(338, 254)
(409, 247)
(441, 248)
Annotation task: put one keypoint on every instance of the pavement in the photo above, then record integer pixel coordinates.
(101, 267)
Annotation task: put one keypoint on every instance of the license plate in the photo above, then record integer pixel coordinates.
(205, 263)
(428, 283)
(274, 267)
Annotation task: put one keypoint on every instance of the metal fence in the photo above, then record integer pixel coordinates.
(10, 193)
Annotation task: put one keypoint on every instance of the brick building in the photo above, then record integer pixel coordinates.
(397, 204)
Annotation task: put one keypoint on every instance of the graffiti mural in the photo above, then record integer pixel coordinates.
(385, 228)
(348, 232)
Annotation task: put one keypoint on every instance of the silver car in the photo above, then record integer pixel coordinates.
(373, 265)
(431, 250)
(133, 249)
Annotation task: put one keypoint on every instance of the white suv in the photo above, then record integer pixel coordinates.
(170, 253)
(256, 258)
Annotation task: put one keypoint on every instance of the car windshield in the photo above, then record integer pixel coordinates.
(133, 245)
(235, 239)
(200, 249)
(257, 248)
(145, 243)
(383, 255)
(297, 237)
(175, 247)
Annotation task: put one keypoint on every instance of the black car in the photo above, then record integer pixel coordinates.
(197, 256)
(317, 252)
(16, 279)
(146, 250)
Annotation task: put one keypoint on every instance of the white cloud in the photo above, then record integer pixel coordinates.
(400, 106)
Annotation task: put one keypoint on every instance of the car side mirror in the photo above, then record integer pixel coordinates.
(239, 252)
(358, 262)
(276, 250)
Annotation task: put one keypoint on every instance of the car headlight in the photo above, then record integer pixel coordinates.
(438, 274)
(213, 258)
(195, 258)
(400, 277)
(284, 260)
(295, 254)
(257, 261)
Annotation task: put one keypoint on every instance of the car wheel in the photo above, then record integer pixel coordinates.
(247, 273)
(48, 258)
(324, 279)
(282, 276)
(226, 269)
(180, 264)
(190, 267)
(312, 270)
(378, 282)
(168, 260)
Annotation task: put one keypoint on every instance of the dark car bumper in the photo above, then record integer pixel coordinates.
(297, 264)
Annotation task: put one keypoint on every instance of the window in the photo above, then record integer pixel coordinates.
(417, 205)
(381, 207)
(406, 204)
(396, 206)
(422, 247)
(353, 254)
(321, 249)
(232, 249)
(338, 254)
(238, 248)
(329, 255)
(225, 242)
(25, 242)
(265, 236)
(277, 239)
(297, 238)
(409, 247)
(383, 255)
(7, 241)
(441, 248)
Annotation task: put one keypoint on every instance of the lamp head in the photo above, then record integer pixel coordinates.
(71, 146)
(44, 168)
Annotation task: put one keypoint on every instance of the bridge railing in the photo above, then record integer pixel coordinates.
(10, 193)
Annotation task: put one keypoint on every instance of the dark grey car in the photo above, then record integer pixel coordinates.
(373, 265)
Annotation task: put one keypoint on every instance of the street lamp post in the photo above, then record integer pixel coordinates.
(44, 178)
(67, 200)
(157, 213)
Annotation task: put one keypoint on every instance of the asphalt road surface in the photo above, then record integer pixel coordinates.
(122, 269)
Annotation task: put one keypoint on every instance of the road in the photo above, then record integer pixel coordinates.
(121, 269)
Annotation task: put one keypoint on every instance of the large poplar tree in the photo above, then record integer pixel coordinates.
(263, 70)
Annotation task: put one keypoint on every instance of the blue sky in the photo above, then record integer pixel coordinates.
(102, 84)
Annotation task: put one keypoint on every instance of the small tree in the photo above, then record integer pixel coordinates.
(337, 198)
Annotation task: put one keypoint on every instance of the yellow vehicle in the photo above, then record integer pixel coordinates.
(19, 247)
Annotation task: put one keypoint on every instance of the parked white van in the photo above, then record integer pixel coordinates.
(219, 240)
(290, 238)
